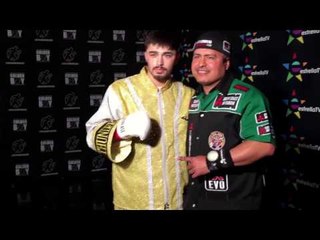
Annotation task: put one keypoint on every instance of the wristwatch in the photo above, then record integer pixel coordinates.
(219, 160)
(212, 158)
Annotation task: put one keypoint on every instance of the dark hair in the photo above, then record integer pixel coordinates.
(163, 38)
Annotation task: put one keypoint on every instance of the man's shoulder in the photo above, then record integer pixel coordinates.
(244, 87)
(121, 81)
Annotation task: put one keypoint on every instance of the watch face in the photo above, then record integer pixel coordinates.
(212, 156)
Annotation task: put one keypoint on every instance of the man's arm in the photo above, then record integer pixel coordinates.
(243, 154)
(110, 132)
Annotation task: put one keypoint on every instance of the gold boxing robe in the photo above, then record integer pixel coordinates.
(145, 174)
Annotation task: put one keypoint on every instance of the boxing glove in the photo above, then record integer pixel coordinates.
(137, 124)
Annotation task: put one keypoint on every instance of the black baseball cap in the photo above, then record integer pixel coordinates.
(213, 40)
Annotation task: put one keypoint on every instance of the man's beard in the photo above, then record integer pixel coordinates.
(161, 78)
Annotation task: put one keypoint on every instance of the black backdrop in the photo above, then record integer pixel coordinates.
(53, 80)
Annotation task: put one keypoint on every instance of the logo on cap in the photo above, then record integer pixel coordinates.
(226, 46)
(203, 44)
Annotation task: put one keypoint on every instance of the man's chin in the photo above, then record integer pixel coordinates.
(161, 78)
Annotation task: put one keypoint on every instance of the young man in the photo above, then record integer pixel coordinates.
(229, 130)
(141, 126)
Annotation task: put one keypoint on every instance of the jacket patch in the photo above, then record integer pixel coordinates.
(216, 140)
(241, 87)
(261, 117)
(217, 184)
(229, 102)
(194, 104)
(264, 130)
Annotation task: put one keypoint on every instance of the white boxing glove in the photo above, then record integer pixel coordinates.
(137, 124)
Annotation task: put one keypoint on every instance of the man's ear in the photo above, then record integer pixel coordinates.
(145, 55)
(227, 64)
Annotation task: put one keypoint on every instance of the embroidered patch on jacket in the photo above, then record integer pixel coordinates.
(228, 102)
(194, 104)
(217, 183)
(264, 130)
(241, 87)
(261, 117)
(216, 140)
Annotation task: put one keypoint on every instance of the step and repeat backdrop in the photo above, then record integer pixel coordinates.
(53, 80)
(285, 66)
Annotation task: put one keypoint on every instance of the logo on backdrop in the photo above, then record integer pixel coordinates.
(49, 167)
(96, 77)
(293, 104)
(46, 145)
(250, 38)
(140, 57)
(119, 75)
(14, 33)
(297, 68)
(42, 34)
(72, 143)
(18, 146)
(74, 165)
(294, 68)
(68, 56)
(45, 101)
(118, 57)
(249, 71)
(297, 35)
(45, 77)
(98, 163)
(16, 101)
(71, 78)
(46, 123)
(95, 100)
(141, 35)
(94, 56)
(19, 124)
(71, 99)
(17, 78)
(43, 55)
(72, 122)
(69, 34)
(292, 140)
(94, 35)
(295, 142)
(119, 35)
(22, 169)
(14, 53)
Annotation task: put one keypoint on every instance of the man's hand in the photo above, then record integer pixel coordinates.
(197, 165)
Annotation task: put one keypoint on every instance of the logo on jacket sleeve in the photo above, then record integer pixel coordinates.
(261, 117)
(264, 130)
